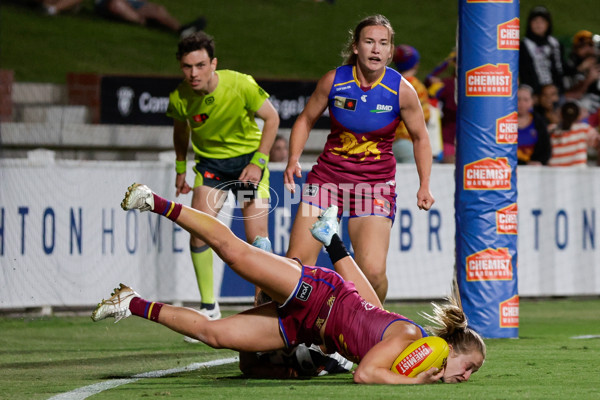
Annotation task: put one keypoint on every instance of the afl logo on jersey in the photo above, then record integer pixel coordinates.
(344, 103)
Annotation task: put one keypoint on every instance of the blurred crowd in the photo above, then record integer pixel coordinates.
(558, 94)
(558, 98)
(139, 12)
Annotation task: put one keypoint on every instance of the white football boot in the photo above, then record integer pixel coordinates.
(263, 243)
(138, 197)
(116, 306)
(326, 226)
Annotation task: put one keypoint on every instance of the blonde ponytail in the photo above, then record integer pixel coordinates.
(450, 323)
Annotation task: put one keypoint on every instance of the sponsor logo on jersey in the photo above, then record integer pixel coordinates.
(383, 205)
(344, 103)
(200, 118)
(490, 265)
(337, 89)
(311, 190)
(363, 98)
(382, 108)
(209, 100)
(509, 313)
(304, 291)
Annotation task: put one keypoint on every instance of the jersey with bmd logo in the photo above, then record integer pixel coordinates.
(363, 123)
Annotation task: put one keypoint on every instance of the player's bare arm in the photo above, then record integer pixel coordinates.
(412, 115)
(181, 140)
(268, 113)
(301, 129)
(375, 366)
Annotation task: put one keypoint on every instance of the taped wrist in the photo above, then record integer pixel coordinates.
(260, 159)
(336, 249)
(180, 166)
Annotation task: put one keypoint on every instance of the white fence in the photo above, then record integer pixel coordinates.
(64, 240)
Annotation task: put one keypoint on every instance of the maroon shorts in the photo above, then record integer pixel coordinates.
(304, 312)
(359, 199)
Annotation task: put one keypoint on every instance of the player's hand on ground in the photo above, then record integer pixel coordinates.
(292, 170)
(181, 186)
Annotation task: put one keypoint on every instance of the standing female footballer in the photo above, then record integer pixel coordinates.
(311, 305)
(366, 100)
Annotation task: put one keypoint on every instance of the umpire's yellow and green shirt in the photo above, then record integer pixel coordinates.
(222, 122)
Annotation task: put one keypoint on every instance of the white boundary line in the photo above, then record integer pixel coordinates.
(87, 391)
(586, 337)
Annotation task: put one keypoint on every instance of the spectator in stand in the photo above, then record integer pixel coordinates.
(582, 75)
(548, 104)
(571, 138)
(541, 55)
(142, 12)
(533, 143)
(406, 58)
(443, 90)
(279, 151)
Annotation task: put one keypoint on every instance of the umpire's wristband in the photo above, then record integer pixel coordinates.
(260, 160)
(180, 166)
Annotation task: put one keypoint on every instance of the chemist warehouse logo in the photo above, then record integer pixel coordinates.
(489, 80)
(508, 35)
(507, 129)
(509, 313)
(487, 174)
(490, 265)
(506, 220)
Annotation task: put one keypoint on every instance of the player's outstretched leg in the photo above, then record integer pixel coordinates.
(277, 275)
(252, 330)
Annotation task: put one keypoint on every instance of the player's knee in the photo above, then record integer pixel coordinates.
(376, 277)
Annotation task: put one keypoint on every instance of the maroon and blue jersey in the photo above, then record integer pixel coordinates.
(352, 325)
(363, 125)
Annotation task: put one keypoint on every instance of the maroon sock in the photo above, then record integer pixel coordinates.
(145, 309)
(166, 208)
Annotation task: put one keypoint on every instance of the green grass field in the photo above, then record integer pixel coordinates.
(275, 38)
(44, 357)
